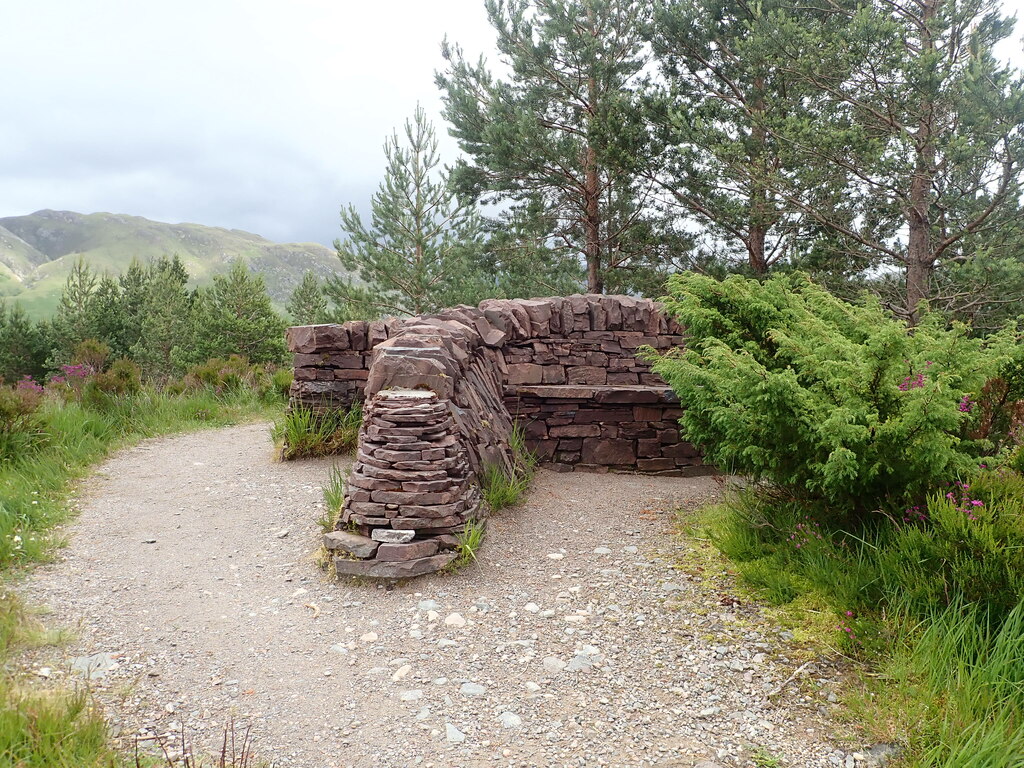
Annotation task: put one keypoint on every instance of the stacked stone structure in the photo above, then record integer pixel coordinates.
(442, 392)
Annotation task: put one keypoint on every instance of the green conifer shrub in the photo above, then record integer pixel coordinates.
(834, 401)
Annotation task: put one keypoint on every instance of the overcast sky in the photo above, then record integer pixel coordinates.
(263, 115)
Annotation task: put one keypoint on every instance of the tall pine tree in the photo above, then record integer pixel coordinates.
(234, 316)
(557, 141)
(307, 304)
(719, 113)
(929, 128)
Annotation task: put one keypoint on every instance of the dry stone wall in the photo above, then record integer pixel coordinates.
(442, 393)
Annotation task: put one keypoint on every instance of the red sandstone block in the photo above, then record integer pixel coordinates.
(586, 374)
(553, 374)
(644, 413)
(655, 465)
(301, 339)
(669, 436)
(418, 486)
(588, 416)
(637, 431)
(648, 449)
(605, 452)
(421, 523)
(535, 429)
(384, 569)
(525, 373)
(623, 377)
(680, 450)
(575, 430)
(351, 374)
(409, 551)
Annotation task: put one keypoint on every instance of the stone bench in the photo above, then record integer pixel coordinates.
(443, 393)
(603, 427)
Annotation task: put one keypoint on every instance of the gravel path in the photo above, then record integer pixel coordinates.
(572, 642)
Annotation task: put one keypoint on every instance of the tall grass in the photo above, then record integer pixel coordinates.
(306, 433)
(502, 488)
(334, 498)
(933, 600)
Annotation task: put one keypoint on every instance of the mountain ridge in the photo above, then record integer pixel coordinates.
(39, 249)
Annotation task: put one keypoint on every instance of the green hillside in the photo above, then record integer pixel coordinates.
(38, 251)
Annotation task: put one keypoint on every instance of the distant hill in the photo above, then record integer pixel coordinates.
(38, 251)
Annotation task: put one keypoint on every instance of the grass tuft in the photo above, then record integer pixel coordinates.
(502, 488)
(304, 433)
(334, 498)
(470, 541)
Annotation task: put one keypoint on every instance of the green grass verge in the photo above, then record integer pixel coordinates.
(928, 605)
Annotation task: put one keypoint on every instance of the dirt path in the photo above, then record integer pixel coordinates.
(572, 642)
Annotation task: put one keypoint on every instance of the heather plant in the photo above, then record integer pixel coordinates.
(123, 379)
(20, 428)
(835, 401)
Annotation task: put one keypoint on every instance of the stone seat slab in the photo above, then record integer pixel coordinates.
(631, 394)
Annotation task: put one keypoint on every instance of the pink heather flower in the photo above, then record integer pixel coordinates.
(27, 382)
(966, 406)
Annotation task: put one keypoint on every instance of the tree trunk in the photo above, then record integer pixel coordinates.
(920, 259)
(919, 253)
(757, 232)
(592, 187)
(592, 222)
(755, 249)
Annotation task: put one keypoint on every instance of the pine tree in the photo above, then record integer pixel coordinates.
(234, 316)
(558, 141)
(719, 114)
(23, 345)
(109, 322)
(307, 304)
(929, 127)
(134, 285)
(165, 323)
(75, 318)
(421, 251)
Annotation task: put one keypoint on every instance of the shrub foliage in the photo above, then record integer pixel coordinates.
(837, 401)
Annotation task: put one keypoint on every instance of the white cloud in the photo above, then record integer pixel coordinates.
(254, 114)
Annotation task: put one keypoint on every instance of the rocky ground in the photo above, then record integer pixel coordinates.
(579, 638)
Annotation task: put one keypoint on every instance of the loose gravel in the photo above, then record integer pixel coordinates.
(193, 584)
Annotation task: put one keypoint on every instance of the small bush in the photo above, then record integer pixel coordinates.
(968, 545)
(281, 382)
(834, 401)
(20, 429)
(306, 433)
(91, 353)
(235, 375)
(124, 379)
(223, 375)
